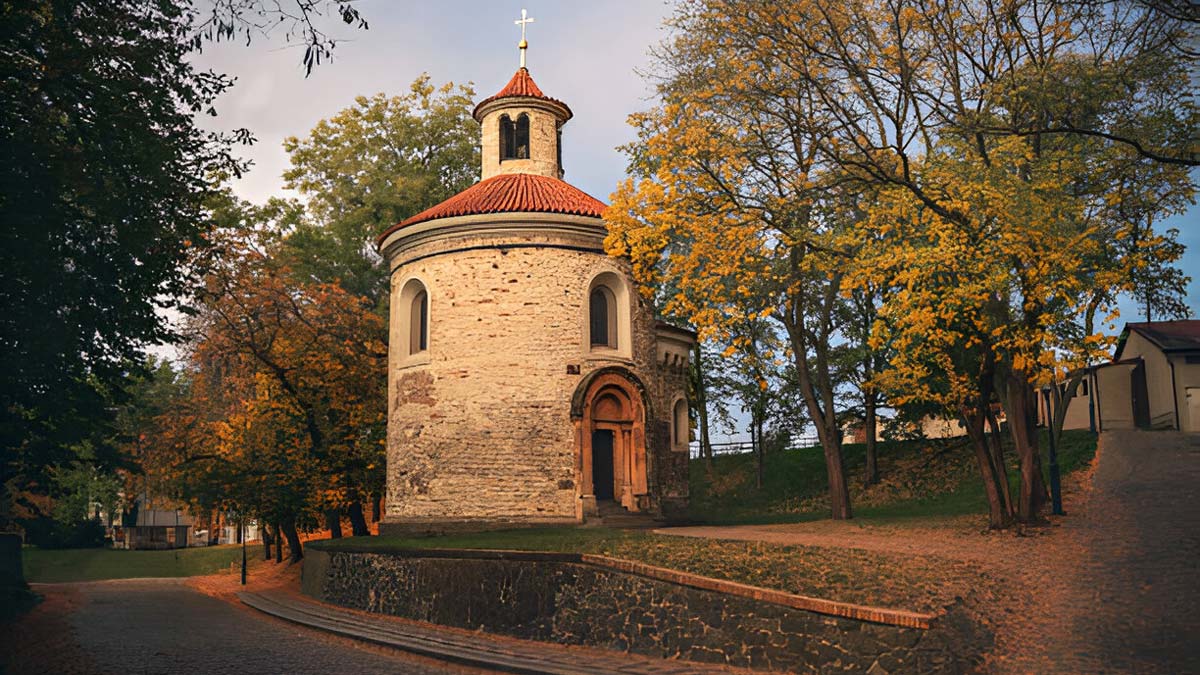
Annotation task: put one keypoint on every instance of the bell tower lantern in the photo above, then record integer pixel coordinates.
(522, 127)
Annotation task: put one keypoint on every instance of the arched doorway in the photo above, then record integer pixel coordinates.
(612, 442)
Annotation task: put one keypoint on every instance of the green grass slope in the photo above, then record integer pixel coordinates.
(92, 564)
(918, 479)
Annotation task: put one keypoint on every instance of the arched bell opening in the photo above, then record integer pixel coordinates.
(612, 444)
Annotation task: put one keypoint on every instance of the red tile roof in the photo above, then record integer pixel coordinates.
(521, 85)
(1169, 336)
(511, 193)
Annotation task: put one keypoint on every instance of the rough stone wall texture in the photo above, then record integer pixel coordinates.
(573, 603)
(479, 427)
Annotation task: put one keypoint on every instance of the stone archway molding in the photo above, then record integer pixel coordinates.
(579, 398)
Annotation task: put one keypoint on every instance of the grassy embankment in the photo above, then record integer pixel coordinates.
(918, 479)
(91, 564)
(921, 481)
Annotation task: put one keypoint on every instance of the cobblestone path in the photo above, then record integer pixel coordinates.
(1125, 595)
(1112, 587)
(161, 626)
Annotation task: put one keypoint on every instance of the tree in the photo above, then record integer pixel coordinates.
(297, 20)
(700, 387)
(860, 364)
(373, 165)
(988, 139)
(316, 352)
(103, 179)
(283, 416)
(751, 374)
(731, 207)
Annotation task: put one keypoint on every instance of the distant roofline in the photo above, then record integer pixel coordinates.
(1146, 330)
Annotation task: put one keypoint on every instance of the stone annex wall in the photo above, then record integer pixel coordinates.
(561, 598)
(480, 427)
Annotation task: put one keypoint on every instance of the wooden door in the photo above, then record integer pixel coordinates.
(602, 464)
(1141, 398)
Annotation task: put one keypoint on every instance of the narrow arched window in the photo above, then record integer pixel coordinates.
(681, 429)
(602, 323)
(508, 138)
(522, 137)
(418, 326)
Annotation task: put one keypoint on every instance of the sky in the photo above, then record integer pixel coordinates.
(583, 53)
(587, 54)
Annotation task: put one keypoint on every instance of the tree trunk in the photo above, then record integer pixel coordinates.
(295, 551)
(869, 425)
(760, 450)
(1062, 400)
(997, 456)
(267, 540)
(1031, 496)
(279, 545)
(700, 394)
(818, 395)
(358, 522)
(376, 508)
(333, 523)
(998, 513)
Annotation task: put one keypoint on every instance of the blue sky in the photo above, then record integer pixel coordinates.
(584, 53)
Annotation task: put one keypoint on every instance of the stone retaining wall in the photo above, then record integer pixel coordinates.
(588, 600)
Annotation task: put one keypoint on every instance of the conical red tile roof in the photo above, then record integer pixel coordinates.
(521, 85)
(511, 193)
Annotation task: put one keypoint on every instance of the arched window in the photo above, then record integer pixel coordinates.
(606, 317)
(411, 336)
(602, 320)
(418, 325)
(508, 138)
(514, 137)
(680, 429)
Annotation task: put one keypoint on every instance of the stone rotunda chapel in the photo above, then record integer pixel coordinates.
(528, 382)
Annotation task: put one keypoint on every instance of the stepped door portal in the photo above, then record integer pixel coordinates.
(613, 439)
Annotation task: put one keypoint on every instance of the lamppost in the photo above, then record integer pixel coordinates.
(242, 526)
(1055, 478)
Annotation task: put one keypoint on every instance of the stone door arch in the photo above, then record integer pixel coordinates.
(612, 404)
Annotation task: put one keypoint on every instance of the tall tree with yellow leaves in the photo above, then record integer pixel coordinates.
(731, 214)
(988, 138)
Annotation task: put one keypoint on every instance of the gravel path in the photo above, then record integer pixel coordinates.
(1112, 587)
(153, 626)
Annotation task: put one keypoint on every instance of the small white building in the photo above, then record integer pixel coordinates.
(1153, 381)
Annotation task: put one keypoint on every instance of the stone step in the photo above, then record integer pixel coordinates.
(468, 648)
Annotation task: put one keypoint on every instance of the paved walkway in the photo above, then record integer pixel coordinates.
(162, 626)
(465, 647)
(1112, 587)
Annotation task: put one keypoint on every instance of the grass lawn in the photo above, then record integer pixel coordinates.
(92, 564)
(848, 575)
(920, 479)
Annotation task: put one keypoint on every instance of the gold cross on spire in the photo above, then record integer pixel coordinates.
(523, 45)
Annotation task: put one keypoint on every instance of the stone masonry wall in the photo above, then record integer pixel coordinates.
(553, 597)
(480, 427)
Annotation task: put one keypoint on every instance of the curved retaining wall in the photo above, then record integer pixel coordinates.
(591, 600)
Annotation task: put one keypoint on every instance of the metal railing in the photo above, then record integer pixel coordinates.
(742, 447)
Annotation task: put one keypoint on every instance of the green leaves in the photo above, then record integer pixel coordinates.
(372, 165)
